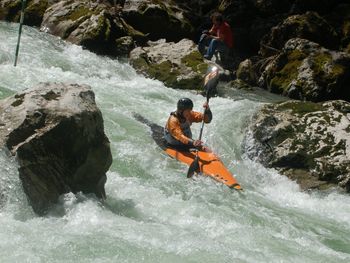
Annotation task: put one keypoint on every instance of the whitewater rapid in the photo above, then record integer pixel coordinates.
(153, 212)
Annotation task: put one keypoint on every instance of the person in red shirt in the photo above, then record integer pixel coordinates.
(219, 37)
(177, 131)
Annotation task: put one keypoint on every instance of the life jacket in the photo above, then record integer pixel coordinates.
(185, 126)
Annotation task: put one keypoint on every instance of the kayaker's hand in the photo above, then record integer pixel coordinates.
(197, 143)
(206, 105)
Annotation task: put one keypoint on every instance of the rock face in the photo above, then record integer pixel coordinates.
(35, 9)
(305, 70)
(308, 26)
(159, 19)
(307, 141)
(178, 65)
(94, 25)
(56, 132)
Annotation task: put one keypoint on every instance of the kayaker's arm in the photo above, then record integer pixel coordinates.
(198, 116)
(173, 126)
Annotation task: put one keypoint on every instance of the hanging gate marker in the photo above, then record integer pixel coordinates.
(24, 3)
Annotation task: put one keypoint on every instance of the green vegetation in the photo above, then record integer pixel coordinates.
(13, 11)
(300, 107)
(282, 78)
(167, 73)
(346, 28)
(194, 60)
(163, 71)
(78, 13)
(37, 8)
(102, 30)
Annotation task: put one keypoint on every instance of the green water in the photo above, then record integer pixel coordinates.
(153, 213)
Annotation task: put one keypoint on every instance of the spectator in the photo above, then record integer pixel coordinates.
(219, 38)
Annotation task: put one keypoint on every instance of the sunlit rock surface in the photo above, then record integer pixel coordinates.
(56, 132)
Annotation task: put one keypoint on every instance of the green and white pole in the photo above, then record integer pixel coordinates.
(24, 3)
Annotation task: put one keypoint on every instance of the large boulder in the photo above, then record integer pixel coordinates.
(307, 26)
(93, 25)
(56, 132)
(178, 65)
(306, 141)
(10, 11)
(158, 19)
(305, 70)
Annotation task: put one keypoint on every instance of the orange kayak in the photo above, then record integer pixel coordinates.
(209, 165)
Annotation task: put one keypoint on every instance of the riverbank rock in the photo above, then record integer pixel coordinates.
(309, 142)
(305, 70)
(10, 10)
(308, 26)
(56, 132)
(93, 25)
(158, 19)
(178, 65)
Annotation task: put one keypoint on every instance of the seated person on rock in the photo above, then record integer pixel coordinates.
(177, 131)
(219, 37)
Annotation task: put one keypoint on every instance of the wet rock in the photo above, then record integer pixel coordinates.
(93, 25)
(305, 70)
(178, 65)
(306, 141)
(56, 132)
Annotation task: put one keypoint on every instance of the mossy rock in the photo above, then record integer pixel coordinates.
(300, 108)
(194, 60)
(305, 70)
(286, 72)
(305, 138)
(11, 11)
(186, 72)
(34, 12)
(159, 20)
(78, 13)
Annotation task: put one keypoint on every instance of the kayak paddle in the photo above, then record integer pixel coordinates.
(211, 80)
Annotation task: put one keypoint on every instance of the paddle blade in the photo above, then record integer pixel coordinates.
(237, 187)
(211, 80)
(194, 167)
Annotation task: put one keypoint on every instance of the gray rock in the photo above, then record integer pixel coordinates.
(159, 19)
(94, 25)
(308, 26)
(178, 65)
(306, 70)
(56, 132)
(246, 72)
(307, 141)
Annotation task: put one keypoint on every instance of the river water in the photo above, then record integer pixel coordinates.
(153, 212)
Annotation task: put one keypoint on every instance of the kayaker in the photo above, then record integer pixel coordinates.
(177, 129)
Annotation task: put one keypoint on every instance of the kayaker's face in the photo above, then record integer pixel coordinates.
(186, 113)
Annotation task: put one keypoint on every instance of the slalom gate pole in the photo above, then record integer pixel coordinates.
(24, 3)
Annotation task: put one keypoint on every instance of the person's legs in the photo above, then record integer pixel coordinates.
(216, 45)
(203, 42)
(211, 49)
